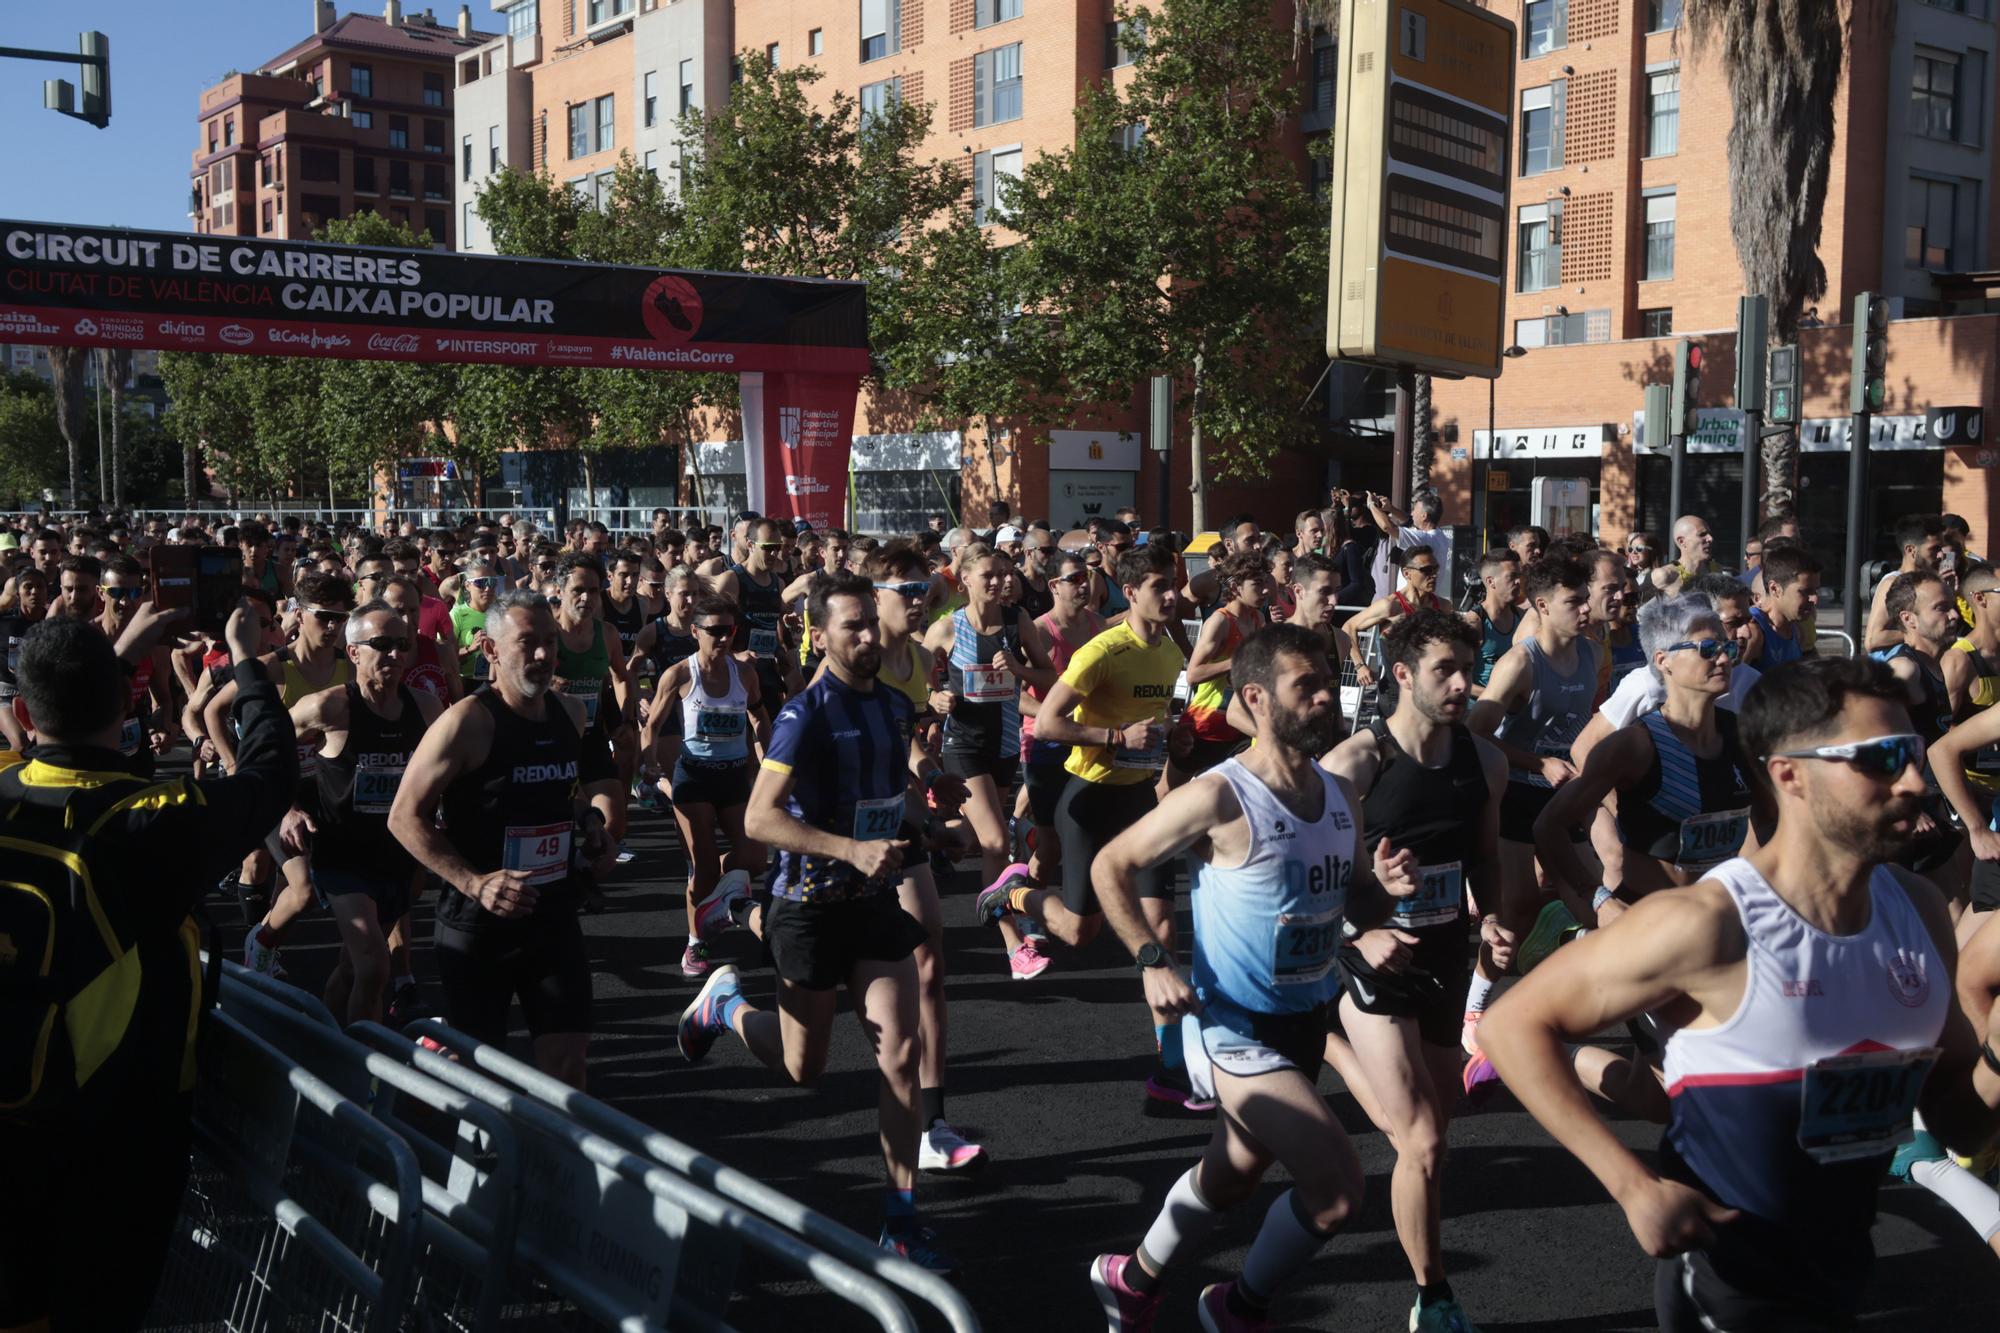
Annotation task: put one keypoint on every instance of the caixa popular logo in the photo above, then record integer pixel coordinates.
(393, 342)
(804, 485)
(236, 335)
(671, 308)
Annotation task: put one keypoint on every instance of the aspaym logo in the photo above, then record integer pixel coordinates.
(671, 308)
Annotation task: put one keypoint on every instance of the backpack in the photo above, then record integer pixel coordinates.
(70, 971)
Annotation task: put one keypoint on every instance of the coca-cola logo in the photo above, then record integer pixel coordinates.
(236, 335)
(393, 342)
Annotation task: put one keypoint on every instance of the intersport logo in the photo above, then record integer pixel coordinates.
(393, 342)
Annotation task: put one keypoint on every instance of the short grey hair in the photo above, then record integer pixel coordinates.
(1432, 507)
(1666, 621)
(353, 633)
(514, 599)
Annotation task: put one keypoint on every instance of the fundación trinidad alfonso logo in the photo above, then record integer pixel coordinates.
(672, 309)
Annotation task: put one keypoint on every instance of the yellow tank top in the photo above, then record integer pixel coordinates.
(295, 686)
(917, 684)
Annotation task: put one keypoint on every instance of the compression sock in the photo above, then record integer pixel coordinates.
(728, 1011)
(899, 1209)
(1477, 994)
(1966, 1194)
(933, 1105)
(1285, 1243)
(1017, 898)
(1184, 1217)
(1168, 1039)
(740, 910)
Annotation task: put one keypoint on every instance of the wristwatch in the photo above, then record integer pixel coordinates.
(1150, 955)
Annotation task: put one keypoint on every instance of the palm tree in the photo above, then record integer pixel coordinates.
(1783, 60)
(1422, 450)
(66, 368)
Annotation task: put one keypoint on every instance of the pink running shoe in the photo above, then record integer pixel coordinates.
(1478, 1073)
(1028, 962)
(1217, 1317)
(1125, 1310)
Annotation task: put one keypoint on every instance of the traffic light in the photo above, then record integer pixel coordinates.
(94, 68)
(1687, 387)
(1871, 353)
(1782, 381)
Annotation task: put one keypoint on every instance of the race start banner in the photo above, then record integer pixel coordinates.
(110, 287)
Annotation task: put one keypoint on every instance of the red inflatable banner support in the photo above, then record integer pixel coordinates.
(798, 432)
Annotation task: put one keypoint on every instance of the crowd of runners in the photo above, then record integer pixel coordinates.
(1604, 826)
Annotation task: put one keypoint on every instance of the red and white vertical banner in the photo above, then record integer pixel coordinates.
(798, 430)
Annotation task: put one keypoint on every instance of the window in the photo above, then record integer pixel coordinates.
(1546, 27)
(521, 19)
(364, 175)
(986, 13)
(771, 54)
(1541, 247)
(1588, 326)
(1122, 42)
(361, 80)
(1326, 69)
(581, 187)
(1663, 112)
(603, 11)
(579, 130)
(363, 120)
(1932, 226)
(1659, 236)
(1657, 323)
(399, 178)
(988, 171)
(649, 99)
(465, 217)
(264, 170)
(1322, 181)
(815, 42)
(687, 85)
(605, 116)
(318, 82)
(1662, 15)
(652, 161)
(267, 215)
(1934, 95)
(600, 188)
(436, 137)
(214, 134)
(319, 164)
(1131, 138)
(1542, 127)
(228, 131)
(434, 224)
(436, 183)
(493, 148)
(875, 99)
(996, 85)
(881, 28)
(433, 90)
(465, 157)
(399, 131)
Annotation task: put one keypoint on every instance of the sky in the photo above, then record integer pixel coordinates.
(137, 172)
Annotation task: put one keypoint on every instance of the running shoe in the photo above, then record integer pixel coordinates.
(992, 900)
(1554, 928)
(1028, 961)
(943, 1148)
(711, 916)
(1922, 1148)
(259, 957)
(1217, 1317)
(701, 1022)
(1468, 1036)
(694, 959)
(625, 854)
(1478, 1072)
(404, 1007)
(1168, 1093)
(920, 1246)
(1125, 1310)
(1443, 1317)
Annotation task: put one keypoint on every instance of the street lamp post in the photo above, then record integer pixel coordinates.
(1513, 352)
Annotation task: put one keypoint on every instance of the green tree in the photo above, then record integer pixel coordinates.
(1198, 253)
(33, 453)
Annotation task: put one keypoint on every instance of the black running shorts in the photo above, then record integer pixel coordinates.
(538, 959)
(1088, 817)
(816, 945)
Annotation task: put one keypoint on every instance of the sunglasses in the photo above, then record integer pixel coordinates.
(1427, 570)
(124, 594)
(325, 617)
(1710, 649)
(1079, 578)
(719, 631)
(387, 643)
(907, 591)
(1118, 547)
(1878, 757)
(652, 583)
(1094, 564)
(770, 546)
(484, 582)
(1638, 550)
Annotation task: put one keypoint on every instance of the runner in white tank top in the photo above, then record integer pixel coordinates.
(1273, 838)
(1806, 994)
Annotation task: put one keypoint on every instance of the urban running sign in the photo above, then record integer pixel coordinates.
(108, 287)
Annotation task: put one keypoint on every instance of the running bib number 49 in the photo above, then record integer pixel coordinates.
(1303, 948)
(1440, 890)
(540, 849)
(874, 820)
(1860, 1105)
(1709, 840)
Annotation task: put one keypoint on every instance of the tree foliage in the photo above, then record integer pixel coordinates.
(33, 455)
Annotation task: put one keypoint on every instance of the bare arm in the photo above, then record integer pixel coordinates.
(1188, 815)
(453, 746)
(1203, 663)
(1034, 665)
(1618, 763)
(1958, 681)
(1961, 1098)
(1881, 634)
(1506, 690)
(215, 724)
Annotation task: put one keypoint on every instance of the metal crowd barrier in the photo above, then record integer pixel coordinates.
(1840, 636)
(358, 1180)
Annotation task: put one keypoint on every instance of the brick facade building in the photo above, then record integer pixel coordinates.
(355, 117)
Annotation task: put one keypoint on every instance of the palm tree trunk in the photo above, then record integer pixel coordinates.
(1421, 442)
(66, 370)
(120, 366)
(190, 469)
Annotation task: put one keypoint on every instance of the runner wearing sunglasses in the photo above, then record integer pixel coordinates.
(757, 587)
(1921, 608)
(468, 619)
(590, 671)
(148, 728)
(1806, 992)
(367, 731)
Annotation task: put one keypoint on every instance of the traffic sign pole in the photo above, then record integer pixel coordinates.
(1871, 354)
(1406, 430)
(1752, 323)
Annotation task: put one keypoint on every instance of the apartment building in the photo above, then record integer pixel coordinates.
(355, 117)
(1621, 208)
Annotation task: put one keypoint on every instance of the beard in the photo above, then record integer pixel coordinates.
(1433, 709)
(1312, 733)
(865, 663)
(1868, 832)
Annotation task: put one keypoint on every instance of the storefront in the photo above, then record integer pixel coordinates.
(899, 481)
(1516, 474)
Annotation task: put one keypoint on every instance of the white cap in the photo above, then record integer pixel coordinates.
(1010, 533)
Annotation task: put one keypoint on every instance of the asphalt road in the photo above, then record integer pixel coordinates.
(1047, 1074)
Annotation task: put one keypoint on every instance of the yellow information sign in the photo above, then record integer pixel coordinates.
(1418, 268)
